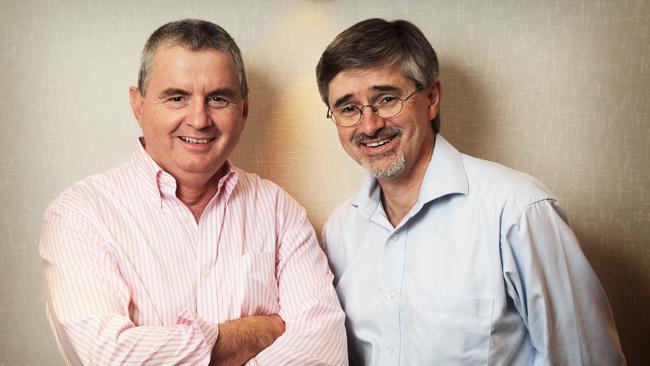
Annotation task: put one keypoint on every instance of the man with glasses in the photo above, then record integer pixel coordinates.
(442, 258)
(177, 256)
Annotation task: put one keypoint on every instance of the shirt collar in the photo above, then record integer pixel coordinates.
(158, 183)
(444, 175)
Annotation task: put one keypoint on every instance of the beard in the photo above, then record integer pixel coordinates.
(391, 169)
(377, 165)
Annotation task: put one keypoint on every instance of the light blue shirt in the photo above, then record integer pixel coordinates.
(484, 270)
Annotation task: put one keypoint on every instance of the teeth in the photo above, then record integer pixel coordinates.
(194, 141)
(377, 144)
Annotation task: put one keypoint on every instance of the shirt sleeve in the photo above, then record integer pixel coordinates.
(88, 304)
(556, 292)
(314, 321)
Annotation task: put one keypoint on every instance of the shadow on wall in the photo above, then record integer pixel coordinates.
(628, 292)
(254, 146)
(470, 120)
(465, 112)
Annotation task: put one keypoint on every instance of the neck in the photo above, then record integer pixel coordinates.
(197, 193)
(400, 194)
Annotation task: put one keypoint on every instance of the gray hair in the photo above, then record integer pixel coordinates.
(195, 35)
(377, 42)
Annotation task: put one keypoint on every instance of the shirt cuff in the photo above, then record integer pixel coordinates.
(252, 362)
(209, 330)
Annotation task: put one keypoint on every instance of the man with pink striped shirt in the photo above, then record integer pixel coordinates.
(177, 256)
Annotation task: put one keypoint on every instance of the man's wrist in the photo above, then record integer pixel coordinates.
(242, 339)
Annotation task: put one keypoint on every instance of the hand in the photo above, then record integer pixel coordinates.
(242, 339)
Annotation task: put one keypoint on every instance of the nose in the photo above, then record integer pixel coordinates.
(370, 121)
(199, 117)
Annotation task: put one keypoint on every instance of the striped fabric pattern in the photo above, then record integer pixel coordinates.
(132, 278)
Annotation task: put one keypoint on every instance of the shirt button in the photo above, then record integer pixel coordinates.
(390, 348)
(392, 294)
(205, 274)
(396, 238)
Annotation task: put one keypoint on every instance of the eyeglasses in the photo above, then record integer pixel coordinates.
(388, 106)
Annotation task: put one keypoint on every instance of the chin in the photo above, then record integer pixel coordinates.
(389, 170)
(201, 169)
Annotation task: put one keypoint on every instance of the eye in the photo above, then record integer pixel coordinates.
(177, 100)
(347, 110)
(388, 100)
(217, 101)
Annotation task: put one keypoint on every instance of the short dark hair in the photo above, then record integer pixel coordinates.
(195, 35)
(377, 42)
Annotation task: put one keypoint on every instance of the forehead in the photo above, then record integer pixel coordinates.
(357, 82)
(179, 65)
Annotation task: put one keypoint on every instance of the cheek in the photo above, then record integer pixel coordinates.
(345, 135)
(165, 123)
(231, 127)
(150, 128)
(345, 141)
(228, 120)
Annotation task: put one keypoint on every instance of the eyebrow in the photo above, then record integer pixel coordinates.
(342, 100)
(380, 88)
(226, 92)
(171, 92)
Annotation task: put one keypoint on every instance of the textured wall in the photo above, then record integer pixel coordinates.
(559, 89)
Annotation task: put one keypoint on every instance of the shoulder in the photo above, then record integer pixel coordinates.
(343, 234)
(86, 197)
(502, 185)
(251, 186)
(248, 183)
(343, 213)
(342, 223)
(265, 195)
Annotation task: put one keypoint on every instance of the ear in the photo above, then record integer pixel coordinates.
(244, 109)
(136, 103)
(434, 94)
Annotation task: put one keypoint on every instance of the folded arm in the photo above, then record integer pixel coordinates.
(315, 332)
(241, 339)
(88, 306)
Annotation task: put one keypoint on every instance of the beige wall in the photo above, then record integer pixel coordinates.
(559, 89)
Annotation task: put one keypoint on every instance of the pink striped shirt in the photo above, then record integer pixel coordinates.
(131, 278)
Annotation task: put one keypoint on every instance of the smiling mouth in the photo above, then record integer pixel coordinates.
(379, 143)
(379, 139)
(192, 140)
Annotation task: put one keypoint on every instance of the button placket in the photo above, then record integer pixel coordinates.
(393, 272)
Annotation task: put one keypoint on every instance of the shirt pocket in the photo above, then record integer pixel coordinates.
(258, 287)
(449, 331)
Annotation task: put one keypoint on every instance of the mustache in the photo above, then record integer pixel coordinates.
(382, 133)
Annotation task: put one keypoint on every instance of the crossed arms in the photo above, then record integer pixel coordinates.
(97, 319)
